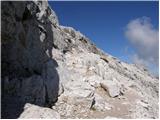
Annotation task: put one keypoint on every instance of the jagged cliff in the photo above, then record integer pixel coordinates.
(53, 71)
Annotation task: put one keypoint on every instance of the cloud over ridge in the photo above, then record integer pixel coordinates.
(145, 39)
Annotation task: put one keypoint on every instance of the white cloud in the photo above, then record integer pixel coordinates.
(145, 39)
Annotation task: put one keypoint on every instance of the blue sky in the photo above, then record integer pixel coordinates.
(105, 22)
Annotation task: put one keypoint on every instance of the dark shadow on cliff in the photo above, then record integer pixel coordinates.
(24, 57)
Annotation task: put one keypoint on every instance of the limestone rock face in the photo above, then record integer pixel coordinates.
(45, 64)
(28, 69)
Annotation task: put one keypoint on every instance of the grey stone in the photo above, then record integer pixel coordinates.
(111, 87)
(36, 112)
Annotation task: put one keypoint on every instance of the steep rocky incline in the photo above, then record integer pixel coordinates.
(48, 65)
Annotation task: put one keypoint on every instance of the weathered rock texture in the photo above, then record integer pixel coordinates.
(33, 111)
(49, 65)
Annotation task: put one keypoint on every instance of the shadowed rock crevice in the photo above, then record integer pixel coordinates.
(29, 72)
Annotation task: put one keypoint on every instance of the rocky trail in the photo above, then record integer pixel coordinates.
(54, 71)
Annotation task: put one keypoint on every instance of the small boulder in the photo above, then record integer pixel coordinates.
(101, 104)
(33, 111)
(112, 87)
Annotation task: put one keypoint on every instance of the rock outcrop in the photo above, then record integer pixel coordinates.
(49, 65)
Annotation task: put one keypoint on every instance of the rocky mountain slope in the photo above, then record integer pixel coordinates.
(53, 71)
